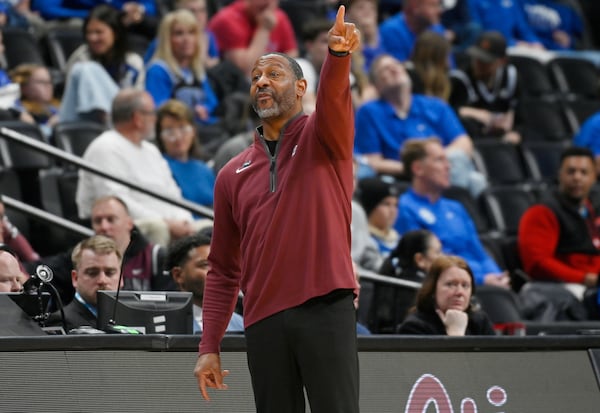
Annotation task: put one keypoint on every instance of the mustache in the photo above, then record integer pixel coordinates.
(265, 90)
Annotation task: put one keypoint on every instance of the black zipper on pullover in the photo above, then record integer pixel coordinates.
(272, 159)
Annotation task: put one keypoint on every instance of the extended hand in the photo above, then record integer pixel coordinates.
(343, 37)
(209, 374)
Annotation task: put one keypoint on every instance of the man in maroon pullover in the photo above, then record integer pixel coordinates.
(282, 235)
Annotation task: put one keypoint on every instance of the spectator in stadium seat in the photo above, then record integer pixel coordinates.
(208, 43)
(492, 85)
(508, 18)
(429, 66)
(177, 69)
(106, 43)
(423, 206)
(139, 16)
(178, 141)
(314, 37)
(461, 30)
(559, 238)
(557, 24)
(142, 260)
(399, 32)
(410, 261)
(131, 157)
(383, 125)
(99, 68)
(364, 14)
(363, 248)
(187, 262)
(444, 303)
(246, 29)
(37, 95)
(379, 197)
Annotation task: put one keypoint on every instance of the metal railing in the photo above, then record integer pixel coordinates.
(384, 279)
(47, 149)
(46, 216)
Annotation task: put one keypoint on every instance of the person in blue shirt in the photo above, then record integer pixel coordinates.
(506, 17)
(60, 9)
(589, 137)
(399, 32)
(558, 25)
(422, 206)
(177, 69)
(383, 125)
(176, 135)
(461, 30)
(207, 39)
(187, 261)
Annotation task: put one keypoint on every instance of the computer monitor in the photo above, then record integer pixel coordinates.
(151, 312)
(17, 310)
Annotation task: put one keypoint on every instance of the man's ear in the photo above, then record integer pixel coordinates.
(74, 278)
(417, 168)
(419, 259)
(176, 274)
(300, 87)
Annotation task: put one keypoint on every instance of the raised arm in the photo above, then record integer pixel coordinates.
(334, 112)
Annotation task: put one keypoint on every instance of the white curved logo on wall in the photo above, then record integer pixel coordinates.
(429, 390)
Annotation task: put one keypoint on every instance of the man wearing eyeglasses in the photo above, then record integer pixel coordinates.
(124, 151)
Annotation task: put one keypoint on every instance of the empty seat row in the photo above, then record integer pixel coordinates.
(571, 77)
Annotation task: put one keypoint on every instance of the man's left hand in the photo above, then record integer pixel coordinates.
(343, 37)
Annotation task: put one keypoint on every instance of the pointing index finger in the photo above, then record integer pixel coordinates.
(339, 18)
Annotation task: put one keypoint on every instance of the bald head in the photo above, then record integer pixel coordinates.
(10, 273)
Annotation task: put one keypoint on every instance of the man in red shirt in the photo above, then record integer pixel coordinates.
(282, 235)
(559, 239)
(247, 29)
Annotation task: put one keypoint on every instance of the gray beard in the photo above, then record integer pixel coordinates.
(267, 113)
(278, 108)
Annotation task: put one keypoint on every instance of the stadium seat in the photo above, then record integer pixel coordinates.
(21, 46)
(547, 157)
(506, 205)
(501, 305)
(544, 119)
(534, 77)
(59, 43)
(503, 163)
(575, 77)
(74, 137)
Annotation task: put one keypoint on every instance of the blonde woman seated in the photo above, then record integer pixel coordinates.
(37, 95)
(444, 302)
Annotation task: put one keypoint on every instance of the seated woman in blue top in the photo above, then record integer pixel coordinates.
(444, 302)
(177, 140)
(177, 68)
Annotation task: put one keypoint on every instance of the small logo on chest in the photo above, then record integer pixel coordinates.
(245, 165)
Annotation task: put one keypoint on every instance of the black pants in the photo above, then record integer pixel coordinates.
(311, 346)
